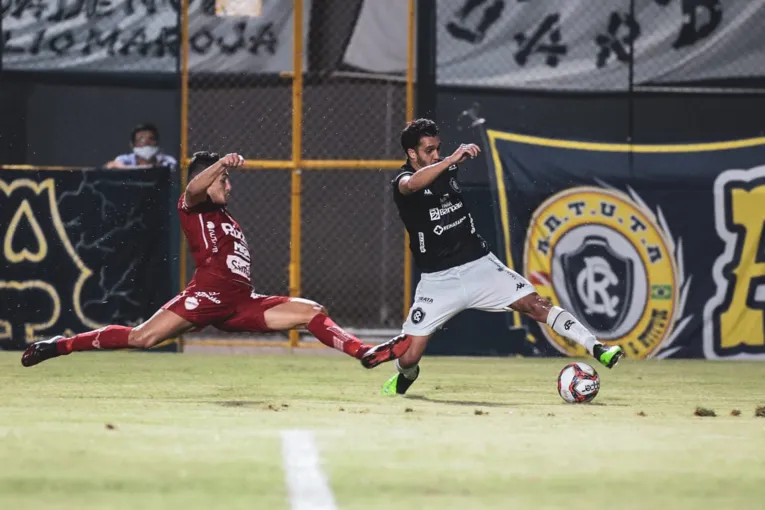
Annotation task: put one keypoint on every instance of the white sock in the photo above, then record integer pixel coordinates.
(566, 325)
(409, 373)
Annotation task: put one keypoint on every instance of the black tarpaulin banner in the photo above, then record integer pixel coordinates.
(81, 250)
(658, 248)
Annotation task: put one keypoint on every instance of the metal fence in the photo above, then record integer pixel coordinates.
(321, 144)
(321, 148)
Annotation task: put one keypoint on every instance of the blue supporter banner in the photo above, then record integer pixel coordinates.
(660, 249)
(83, 249)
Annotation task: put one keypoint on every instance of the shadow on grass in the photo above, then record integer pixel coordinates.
(423, 398)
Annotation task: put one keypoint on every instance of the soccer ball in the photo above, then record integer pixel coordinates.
(578, 383)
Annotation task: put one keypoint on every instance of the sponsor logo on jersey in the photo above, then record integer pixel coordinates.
(606, 257)
(211, 296)
(438, 230)
(213, 237)
(238, 265)
(231, 230)
(447, 208)
(191, 303)
(241, 250)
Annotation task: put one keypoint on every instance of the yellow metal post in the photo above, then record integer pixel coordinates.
(183, 159)
(410, 47)
(409, 116)
(323, 164)
(297, 155)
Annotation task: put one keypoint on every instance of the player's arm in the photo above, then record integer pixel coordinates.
(196, 191)
(424, 177)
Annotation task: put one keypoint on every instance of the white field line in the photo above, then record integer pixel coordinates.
(307, 486)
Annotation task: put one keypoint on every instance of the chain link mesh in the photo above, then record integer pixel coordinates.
(353, 118)
(614, 46)
(353, 247)
(352, 242)
(251, 115)
(704, 44)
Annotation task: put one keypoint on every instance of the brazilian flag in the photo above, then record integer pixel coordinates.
(661, 291)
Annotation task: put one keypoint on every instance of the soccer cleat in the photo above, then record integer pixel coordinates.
(386, 351)
(40, 351)
(399, 383)
(608, 356)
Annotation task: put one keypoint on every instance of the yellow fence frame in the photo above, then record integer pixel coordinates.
(296, 165)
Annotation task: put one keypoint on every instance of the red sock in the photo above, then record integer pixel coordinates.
(110, 337)
(332, 335)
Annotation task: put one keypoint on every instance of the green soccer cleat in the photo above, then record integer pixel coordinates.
(398, 384)
(608, 356)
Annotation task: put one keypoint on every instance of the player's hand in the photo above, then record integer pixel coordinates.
(232, 160)
(464, 151)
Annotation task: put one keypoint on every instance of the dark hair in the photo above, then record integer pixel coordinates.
(415, 130)
(144, 127)
(201, 160)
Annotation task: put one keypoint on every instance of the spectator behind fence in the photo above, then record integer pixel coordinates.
(144, 140)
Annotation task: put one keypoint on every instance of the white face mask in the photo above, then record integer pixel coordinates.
(146, 152)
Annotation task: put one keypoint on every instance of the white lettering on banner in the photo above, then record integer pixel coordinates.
(568, 44)
(238, 265)
(127, 35)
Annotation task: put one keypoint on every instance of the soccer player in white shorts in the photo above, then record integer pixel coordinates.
(458, 270)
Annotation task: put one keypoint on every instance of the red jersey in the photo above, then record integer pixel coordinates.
(217, 242)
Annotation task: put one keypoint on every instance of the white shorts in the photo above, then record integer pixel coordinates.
(484, 284)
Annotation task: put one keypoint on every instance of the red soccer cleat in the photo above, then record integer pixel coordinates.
(386, 351)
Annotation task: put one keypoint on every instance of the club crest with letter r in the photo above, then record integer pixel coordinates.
(606, 257)
(418, 315)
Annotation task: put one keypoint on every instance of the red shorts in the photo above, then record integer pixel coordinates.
(232, 308)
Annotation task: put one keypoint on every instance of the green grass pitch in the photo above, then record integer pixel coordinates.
(149, 431)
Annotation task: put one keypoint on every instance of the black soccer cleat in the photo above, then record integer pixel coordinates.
(399, 383)
(40, 351)
(387, 351)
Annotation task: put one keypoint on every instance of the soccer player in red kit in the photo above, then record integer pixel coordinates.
(220, 293)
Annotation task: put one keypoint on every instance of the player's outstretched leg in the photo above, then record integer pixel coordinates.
(563, 323)
(408, 366)
(160, 327)
(386, 351)
(298, 312)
